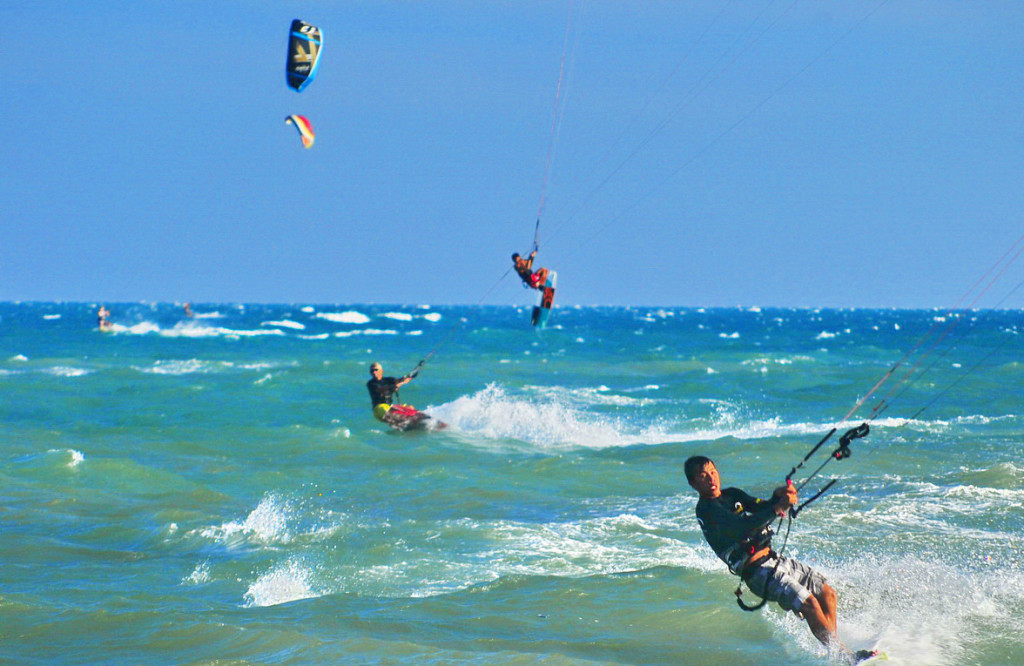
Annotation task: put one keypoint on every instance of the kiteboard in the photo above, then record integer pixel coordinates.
(871, 658)
(407, 417)
(870, 653)
(542, 311)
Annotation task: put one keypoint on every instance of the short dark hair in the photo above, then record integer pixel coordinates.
(693, 465)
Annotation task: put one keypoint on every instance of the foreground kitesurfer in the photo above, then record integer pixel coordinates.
(524, 268)
(382, 391)
(737, 527)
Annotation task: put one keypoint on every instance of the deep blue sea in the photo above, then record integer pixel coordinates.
(214, 489)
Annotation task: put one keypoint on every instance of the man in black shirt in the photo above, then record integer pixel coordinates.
(524, 268)
(736, 526)
(382, 390)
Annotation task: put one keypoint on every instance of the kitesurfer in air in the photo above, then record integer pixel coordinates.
(524, 267)
(737, 527)
(382, 391)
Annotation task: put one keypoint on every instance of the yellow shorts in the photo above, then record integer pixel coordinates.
(380, 410)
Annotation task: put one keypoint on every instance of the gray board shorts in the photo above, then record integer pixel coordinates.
(789, 585)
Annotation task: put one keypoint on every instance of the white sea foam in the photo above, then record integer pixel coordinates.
(190, 330)
(549, 421)
(768, 360)
(52, 316)
(20, 358)
(197, 366)
(179, 367)
(259, 365)
(731, 422)
(495, 414)
(66, 371)
(432, 316)
(583, 397)
(368, 331)
(199, 575)
(285, 582)
(276, 520)
(142, 328)
(921, 611)
(643, 389)
(979, 419)
(350, 317)
(554, 418)
(398, 316)
(285, 323)
(75, 458)
(267, 523)
(590, 546)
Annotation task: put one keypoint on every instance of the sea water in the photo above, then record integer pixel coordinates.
(214, 488)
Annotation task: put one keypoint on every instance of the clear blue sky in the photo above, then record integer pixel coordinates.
(815, 153)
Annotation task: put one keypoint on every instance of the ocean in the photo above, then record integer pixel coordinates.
(214, 489)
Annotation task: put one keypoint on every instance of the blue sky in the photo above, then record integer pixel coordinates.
(752, 153)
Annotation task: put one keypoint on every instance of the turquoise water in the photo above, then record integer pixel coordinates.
(215, 490)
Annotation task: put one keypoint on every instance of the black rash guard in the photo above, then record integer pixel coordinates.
(381, 390)
(729, 519)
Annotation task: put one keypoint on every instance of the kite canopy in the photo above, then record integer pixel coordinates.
(304, 43)
(304, 127)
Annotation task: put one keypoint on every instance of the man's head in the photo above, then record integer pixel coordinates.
(702, 475)
(515, 256)
(376, 369)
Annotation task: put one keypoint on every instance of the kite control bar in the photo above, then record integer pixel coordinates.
(842, 451)
(844, 442)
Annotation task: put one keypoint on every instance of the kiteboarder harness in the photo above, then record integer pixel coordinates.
(749, 546)
(760, 540)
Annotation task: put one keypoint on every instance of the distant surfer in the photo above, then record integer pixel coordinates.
(382, 391)
(737, 527)
(188, 309)
(524, 268)
(103, 319)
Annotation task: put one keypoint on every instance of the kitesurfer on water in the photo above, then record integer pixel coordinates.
(524, 267)
(103, 318)
(737, 527)
(382, 390)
